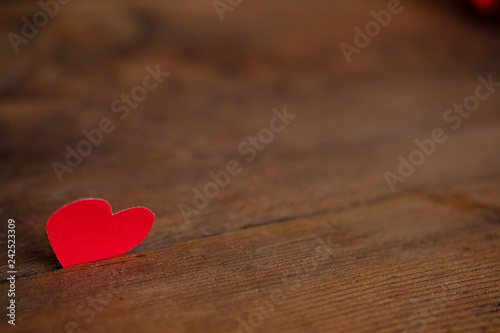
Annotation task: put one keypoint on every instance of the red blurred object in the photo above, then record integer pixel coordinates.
(485, 6)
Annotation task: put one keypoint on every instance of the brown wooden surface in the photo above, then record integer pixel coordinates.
(311, 223)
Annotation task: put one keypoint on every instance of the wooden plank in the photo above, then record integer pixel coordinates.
(407, 263)
(309, 230)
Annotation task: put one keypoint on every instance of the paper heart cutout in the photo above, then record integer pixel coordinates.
(87, 230)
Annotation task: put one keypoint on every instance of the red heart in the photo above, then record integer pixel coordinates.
(87, 230)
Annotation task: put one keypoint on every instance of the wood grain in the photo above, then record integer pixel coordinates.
(308, 237)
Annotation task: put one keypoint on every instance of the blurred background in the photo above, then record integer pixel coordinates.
(83, 39)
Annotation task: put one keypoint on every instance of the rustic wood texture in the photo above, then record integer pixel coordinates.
(308, 237)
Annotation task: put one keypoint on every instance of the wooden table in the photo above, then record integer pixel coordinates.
(308, 235)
